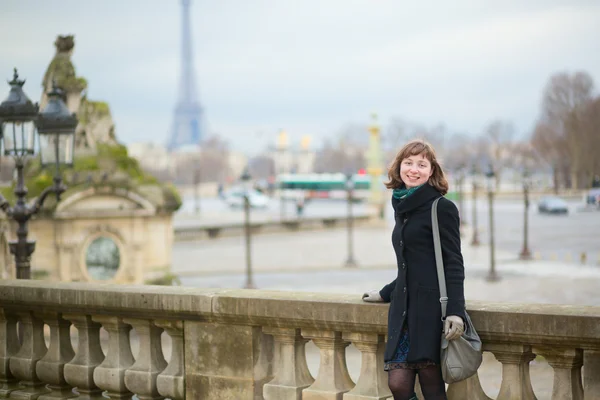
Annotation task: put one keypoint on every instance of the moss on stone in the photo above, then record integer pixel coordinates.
(111, 167)
(61, 69)
(92, 110)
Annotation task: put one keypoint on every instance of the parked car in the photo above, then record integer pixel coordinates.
(235, 198)
(553, 205)
(592, 197)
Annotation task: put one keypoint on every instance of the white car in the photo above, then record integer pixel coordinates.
(235, 199)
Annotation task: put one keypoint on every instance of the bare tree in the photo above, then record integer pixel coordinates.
(562, 125)
(214, 159)
(343, 158)
(262, 167)
(499, 135)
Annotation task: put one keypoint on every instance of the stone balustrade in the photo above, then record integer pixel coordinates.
(212, 231)
(250, 344)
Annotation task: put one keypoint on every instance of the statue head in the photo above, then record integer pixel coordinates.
(64, 44)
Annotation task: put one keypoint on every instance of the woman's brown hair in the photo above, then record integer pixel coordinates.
(415, 148)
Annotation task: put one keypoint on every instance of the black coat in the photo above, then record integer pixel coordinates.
(415, 294)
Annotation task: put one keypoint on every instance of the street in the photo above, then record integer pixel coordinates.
(551, 237)
(560, 237)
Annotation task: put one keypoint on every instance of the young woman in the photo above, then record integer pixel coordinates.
(414, 320)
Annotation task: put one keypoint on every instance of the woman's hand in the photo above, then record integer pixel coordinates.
(453, 327)
(372, 297)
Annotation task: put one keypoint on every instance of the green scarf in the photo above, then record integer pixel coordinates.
(403, 192)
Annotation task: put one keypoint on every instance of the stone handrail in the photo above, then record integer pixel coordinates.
(211, 231)
(250, 344)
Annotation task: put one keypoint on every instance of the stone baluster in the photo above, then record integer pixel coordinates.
(226, 361)
(80, 371)
(333, 379)
(171, 382)
(470, 389)
(50, 369)
(516, 381)
(291, 371)
(591, 371)
(140, 378)
(372, 382)
(22, 364)
(110, 375)
(567, 365)
(9, 345)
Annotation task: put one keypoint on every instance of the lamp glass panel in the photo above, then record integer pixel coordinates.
(19, 138)
(56, 148)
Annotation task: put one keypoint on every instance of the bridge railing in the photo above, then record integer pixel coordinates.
(250, 344)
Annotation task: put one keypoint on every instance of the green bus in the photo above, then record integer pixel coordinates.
(322, 186)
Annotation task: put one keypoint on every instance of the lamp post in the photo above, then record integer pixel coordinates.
(475, 188)
(19, 118)
(196, 179)
(525, 252)
(460, 183)
(490, 175)
(246, 182)
(350, 262)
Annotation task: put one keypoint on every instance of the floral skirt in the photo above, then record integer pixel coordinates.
(401, 355)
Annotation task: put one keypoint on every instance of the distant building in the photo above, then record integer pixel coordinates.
(288, 159)
(151, 156)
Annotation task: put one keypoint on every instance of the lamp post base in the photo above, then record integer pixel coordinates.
(249, 285)
(351, 263)
(492, 277)
(22, 250)
(525, 255)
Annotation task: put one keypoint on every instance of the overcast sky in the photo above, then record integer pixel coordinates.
(309, 66)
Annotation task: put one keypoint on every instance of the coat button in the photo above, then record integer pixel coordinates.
(404, 289)
(401, 243)
(403, 313)
(405, 219)
(403, 265)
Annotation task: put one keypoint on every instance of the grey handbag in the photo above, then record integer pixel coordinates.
(460, 358)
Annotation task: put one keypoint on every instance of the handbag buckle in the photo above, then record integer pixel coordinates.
(443, 299)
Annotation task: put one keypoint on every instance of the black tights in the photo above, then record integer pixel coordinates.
(402, 383)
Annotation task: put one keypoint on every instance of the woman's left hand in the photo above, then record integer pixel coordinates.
(453, 327)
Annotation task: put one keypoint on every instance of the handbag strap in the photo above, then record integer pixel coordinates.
(439, 261)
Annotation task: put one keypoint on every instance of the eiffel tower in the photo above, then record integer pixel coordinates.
(188, 128)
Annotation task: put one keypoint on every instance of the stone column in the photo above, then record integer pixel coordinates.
(110, 375)
(22, 364)
(516, 381)
(50, 369)
(291, 371)
(591, 377)
(225, 362)
(171, 382)
(470, 389)
(80, 371)
(372, 382)
(333, 379)
(140, 378)
(9, 345)
(567, 371)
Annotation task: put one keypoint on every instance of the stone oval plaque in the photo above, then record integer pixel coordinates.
(102, 258)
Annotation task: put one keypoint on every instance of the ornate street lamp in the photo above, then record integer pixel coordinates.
(525, 252)
(246, 180)
(350, 262)
(56, 126)
(475, 188)
(490, 177)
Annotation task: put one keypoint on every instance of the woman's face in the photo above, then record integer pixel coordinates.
(415, 170)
